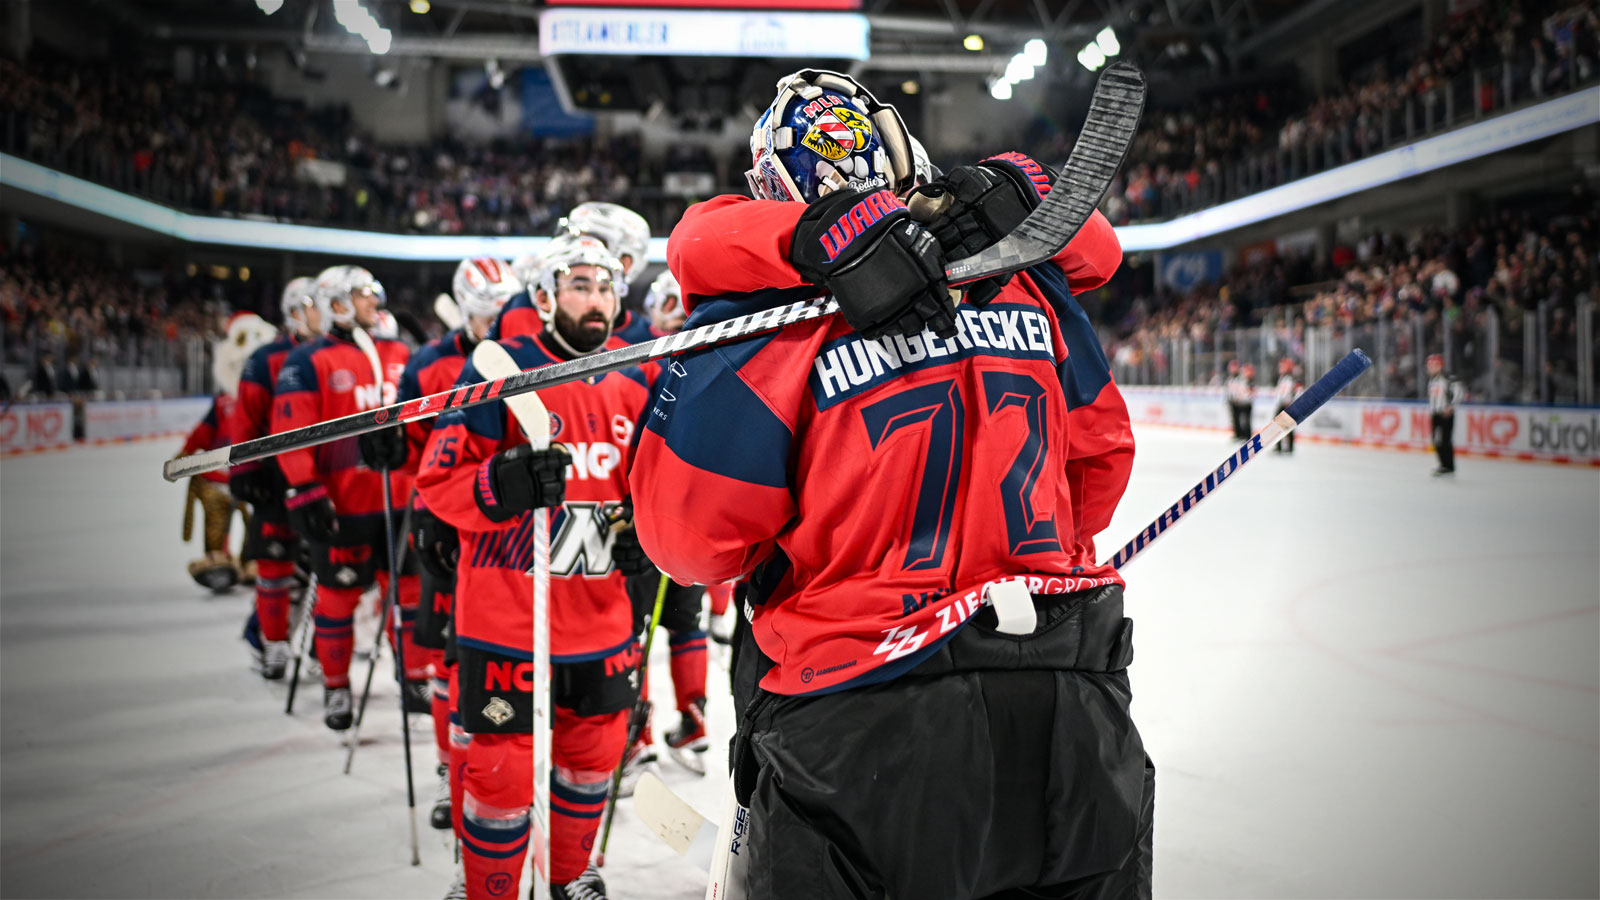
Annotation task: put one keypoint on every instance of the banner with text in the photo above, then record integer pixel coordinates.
(35, 426)
(1562, 434)
(126, 420)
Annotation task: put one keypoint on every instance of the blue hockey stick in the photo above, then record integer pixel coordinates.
(1337, 379)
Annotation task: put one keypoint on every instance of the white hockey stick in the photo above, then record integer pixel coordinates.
(492, 361)
(444, 306)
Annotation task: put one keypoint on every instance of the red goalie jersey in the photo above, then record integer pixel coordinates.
(998, 454)
(590, 614)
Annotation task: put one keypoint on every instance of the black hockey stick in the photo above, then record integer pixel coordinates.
(391, 606)
(1107, 133)
(637, 723)
(303, 631)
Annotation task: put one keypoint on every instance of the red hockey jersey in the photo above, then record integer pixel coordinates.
(325, 379)
(518, 318)
(433, 368)
(209, 433)
(878, 485)
(590, 614)
(251, 416)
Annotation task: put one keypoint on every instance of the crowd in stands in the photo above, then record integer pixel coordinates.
(226, 146)
(1533, 267)
(66, 318)
(1230, 145)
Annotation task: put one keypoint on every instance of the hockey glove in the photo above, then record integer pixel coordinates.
(311, 513)
(630, 558)
(886, 270)
(256, 483)
(437, 544)
(987, 201)
(520, 479)
(383, 450)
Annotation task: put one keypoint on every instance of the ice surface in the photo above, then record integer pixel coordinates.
(1355, 680)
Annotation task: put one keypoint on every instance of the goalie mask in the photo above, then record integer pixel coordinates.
(482, 286)
(823, 133)
(625, 233)
(336, 284)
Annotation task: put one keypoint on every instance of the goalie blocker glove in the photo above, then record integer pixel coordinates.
(986, 202)
(311, 513)
(520, 479)
(886, 271)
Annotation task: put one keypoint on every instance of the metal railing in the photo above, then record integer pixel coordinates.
(1544, 355)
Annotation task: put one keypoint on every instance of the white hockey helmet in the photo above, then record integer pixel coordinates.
(826, 132)
(578, 250)
(337, 283)
(527, 267)
(482, 285)
(625, 232)
(664, 303)
(246, 332)
(924, 169)
(295, 302)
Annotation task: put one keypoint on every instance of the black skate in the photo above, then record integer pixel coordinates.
(336, 708)
(440, 816)
(587, 886)
(418, 696)
(687, 744)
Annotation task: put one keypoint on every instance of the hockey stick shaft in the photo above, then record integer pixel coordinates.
(1103, 143)
(400, 660)
(636, 722)
(390, 606)
(302, 639)
(1320, 392)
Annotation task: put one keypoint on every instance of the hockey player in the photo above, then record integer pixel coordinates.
(217, 569)
(1444, 393)
(335, 498)
(270, 541)
(882, 481)
(480, 475)
(480, 288)
(623, 232)
(1289, 388)
(1240, 392)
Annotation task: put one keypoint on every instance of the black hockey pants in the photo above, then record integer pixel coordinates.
(1001, 768)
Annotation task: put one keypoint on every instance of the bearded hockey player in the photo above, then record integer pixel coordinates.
(217, 569)
(625, 235)
(480, 288)
(270, 542)
(480, 475)
(335, 496)
(893, 467)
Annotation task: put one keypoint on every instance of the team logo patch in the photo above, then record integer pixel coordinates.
(497, 883)
(345, 575)
(838, 133)
(555, 426)
(622, 429)
(382, 416)
(343, 381)
(498, 711)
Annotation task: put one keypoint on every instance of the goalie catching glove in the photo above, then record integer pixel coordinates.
(886, 271)
(974, 207)
(521, 479)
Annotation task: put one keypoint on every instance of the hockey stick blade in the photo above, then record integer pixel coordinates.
(1107, 133)
(1102, 145)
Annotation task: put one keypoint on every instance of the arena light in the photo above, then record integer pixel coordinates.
(1106, 40)
(973, 42)
(421, 7)
(358, 21)
(270, 6)
(1091, 57)
(1000, 89)
(1036, 52)
(1019, 69)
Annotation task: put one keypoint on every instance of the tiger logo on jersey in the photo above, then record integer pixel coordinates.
(838, 133)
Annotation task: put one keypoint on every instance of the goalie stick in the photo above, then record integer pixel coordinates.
(493, 361)
(695, 837)
(1107, 133)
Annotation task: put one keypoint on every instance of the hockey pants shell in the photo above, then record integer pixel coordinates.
(335, 612)
(498, 790)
